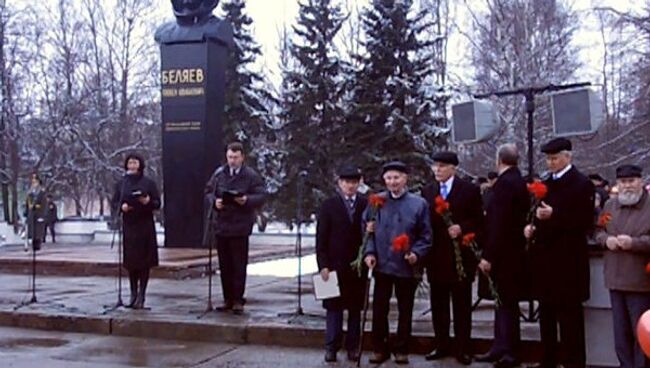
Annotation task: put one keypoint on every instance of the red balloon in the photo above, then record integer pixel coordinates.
(643, 332)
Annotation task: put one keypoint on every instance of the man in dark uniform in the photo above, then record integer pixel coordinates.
(467, 214)
(51, 218)
(35, 212)
(560, 263)
(503, 255)
(338, 238)
(235, 191)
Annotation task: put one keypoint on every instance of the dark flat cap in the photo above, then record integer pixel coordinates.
(556, 145)
(628, 171)
(596, 177)
(446, 157)
(395, 165)
(349, 172)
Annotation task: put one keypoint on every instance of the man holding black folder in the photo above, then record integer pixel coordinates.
(235, 191)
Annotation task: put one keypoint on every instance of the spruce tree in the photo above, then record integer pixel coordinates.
(391, 117)
(313, 114)
(246, 100)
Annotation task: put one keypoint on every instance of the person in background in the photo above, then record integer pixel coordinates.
(625, 234)
(35, 212)
(51, 219)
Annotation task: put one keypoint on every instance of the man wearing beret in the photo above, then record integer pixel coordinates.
(338, 238)
(464, 199)
(560, 261)
(624, 229)
(401, 238)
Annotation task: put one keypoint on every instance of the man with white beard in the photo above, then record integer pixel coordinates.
(625, 230)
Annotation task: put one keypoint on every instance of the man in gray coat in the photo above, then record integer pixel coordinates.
(234, 191)
(624, 228)
(401, 238)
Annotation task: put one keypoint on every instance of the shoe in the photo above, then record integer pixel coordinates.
(330, 356)
(238, 308)
(506, 362)
(401, 358)
(436, 354)
(353, 356)
(464, 358)
(488, 357)
(226, 306)
(378, 358)
(139, 300)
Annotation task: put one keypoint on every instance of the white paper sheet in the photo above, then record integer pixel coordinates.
(326, 289)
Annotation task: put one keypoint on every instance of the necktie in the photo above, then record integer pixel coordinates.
(443, 190)
(350, 203)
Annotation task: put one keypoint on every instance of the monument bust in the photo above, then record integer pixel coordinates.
(195, 23)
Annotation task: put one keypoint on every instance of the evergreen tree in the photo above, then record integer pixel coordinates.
(246, 100)
(312, 108)
(391, 117)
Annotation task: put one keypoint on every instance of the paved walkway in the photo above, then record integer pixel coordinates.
(21, 348)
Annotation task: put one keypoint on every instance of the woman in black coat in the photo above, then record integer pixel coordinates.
(136, 197)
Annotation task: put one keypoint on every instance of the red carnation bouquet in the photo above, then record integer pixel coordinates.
(604, 219)
(469, 240)
(538, 191)
(375, 202)
(442, 209)
(401, 244)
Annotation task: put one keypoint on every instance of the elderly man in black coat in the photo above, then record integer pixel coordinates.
(338, 238)
(464, 199)
(235, 191)
(559, 258)
(503, 255)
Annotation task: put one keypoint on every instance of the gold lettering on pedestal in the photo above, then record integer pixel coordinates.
(182, 126)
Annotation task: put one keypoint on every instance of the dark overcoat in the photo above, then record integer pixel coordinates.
(140, 246)
(467, 211)
(338, 238)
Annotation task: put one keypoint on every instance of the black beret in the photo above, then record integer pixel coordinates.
(349, 172)
(492, 175)
(628, 171)
(557, 145)
(446, 157)
(596, 177)
(395, 165)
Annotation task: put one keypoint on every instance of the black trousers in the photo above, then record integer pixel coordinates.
(233, 260)
(52, 233)
(405, 292)
(460, 294)
(569, 316)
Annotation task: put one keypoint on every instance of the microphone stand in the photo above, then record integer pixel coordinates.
(120, 230)
(32, 208)
(299, 311)
(207, 240)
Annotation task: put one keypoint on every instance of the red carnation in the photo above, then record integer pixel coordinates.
(376, 200)
(538, 190)
(468, 239)
(401, 243)
(604, 219)
(442, 206)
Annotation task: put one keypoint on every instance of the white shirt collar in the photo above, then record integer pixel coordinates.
(562, 172)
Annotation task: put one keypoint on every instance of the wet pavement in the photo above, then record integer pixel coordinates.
(31, 348)
(268, 333)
